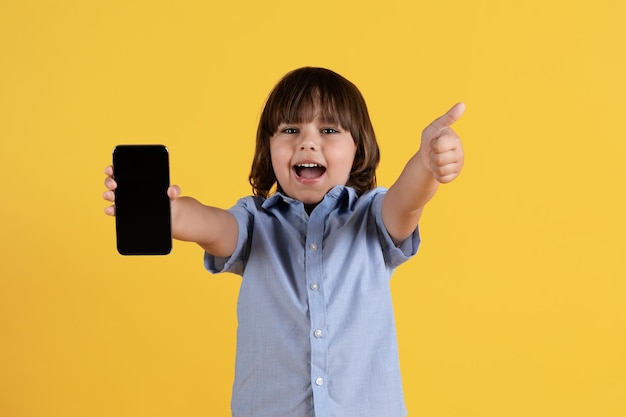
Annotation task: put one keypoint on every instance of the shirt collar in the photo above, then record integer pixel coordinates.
(344, 196)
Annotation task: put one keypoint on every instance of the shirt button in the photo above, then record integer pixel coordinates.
(313, 246)
(319, 382)
(315, 286)
(318, 333)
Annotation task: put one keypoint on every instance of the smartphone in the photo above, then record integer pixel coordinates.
(143, 222)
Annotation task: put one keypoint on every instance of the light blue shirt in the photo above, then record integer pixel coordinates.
(316, 332)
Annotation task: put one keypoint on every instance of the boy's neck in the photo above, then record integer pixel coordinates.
(309, 208)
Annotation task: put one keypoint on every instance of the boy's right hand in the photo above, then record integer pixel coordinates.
(214, 229)
(173, 191)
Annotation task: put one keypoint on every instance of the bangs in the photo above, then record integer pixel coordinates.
(304, 95)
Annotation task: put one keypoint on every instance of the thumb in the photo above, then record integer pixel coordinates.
(445, 121)
(173, 192)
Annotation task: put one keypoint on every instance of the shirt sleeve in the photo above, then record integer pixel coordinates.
(395, 255)
(236, 262)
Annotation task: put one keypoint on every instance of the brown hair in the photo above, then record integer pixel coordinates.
(294, 100)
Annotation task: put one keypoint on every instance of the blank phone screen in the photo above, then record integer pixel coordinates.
(142, 207)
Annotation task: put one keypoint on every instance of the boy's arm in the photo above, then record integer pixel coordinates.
(214, 229)
(439, 160)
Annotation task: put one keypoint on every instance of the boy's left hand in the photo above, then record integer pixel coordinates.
(441, 149)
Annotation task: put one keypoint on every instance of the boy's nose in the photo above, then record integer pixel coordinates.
(309, 141)
(308, 144)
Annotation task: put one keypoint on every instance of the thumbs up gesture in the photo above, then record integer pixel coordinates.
(441, 149)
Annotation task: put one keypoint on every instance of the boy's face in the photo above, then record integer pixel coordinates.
(309, 159)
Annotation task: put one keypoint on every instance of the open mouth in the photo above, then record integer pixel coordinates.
(309, 170)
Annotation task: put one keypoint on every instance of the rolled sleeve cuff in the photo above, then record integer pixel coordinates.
(234, 263)
(395, 255)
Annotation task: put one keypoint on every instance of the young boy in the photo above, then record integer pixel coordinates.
(316, 246)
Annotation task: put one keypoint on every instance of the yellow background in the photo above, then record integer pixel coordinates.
(515, 305)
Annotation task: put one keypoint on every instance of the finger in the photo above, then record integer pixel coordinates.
(447, 166)
(447, 172)
(439, 160)
(445, 179)
(110, 183)
(109, 196)
(109, 171)
(110, 211)
(173, 192)
(447, 120)
(448, 141)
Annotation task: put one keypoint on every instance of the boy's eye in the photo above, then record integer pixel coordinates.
(329, 130)
(290, 130)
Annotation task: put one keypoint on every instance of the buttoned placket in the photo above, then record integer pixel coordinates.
(317, 309)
